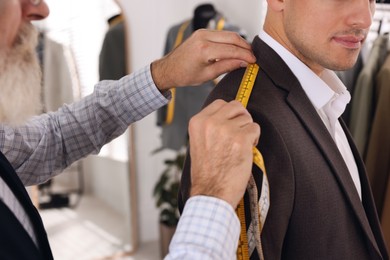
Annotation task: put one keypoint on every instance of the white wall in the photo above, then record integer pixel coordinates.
(148, 23)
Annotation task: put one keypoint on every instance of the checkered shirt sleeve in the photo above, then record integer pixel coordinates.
(208, 229)
(48, 143)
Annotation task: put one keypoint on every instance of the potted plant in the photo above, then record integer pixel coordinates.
(165, 193)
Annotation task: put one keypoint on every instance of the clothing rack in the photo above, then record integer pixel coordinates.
(368, 109)
(380, 25)
(382, 17)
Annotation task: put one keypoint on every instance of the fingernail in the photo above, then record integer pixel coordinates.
(243, 64)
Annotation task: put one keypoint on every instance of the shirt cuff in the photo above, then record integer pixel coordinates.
(140, 95)
(167, 93)
(208, 226)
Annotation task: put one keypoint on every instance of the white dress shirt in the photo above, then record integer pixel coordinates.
(328, 95)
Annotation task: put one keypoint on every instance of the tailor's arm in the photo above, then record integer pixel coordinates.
(222, 137)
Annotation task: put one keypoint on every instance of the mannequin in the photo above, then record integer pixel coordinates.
(202, 15)
(187, 101)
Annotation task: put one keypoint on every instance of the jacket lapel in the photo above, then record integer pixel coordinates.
(301, 105)
(9, 176)
(324, 141)
(11, 179)
(367, 197)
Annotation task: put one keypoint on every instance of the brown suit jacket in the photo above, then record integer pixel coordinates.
(385, 220)
(315, 210)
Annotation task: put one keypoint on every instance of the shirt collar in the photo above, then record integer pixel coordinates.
(320, 90)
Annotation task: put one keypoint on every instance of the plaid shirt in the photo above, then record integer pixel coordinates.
(44, 146)
(208, 229)
(48, 143)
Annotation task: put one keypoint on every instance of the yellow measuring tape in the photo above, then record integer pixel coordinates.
(243, 251)
(178, 41)
(171, 104)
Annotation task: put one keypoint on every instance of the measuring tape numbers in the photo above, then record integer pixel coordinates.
(250, 238)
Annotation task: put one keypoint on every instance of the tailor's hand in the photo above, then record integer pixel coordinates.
(204, 56)
(222, 137)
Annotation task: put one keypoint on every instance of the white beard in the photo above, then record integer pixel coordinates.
(20, 79)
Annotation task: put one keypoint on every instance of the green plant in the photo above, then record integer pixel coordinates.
(166, 190)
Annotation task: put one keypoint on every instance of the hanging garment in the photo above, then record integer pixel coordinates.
(112, 57)
(385, 219)
(349, 77)
(378, 153)
(362, 107)
(60, 79)
(189, 100)
(61, 85)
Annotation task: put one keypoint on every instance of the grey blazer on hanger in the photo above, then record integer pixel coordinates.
(188, 101)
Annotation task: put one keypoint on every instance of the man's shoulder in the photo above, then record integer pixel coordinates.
(228, 86)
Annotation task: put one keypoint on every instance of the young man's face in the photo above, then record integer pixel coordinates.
(327, 33)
